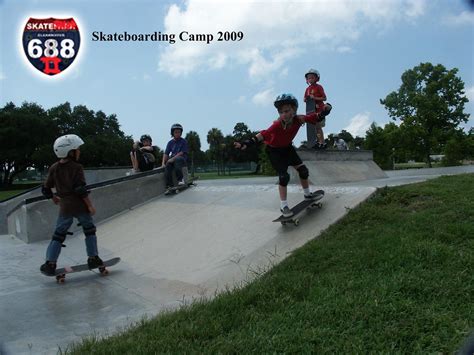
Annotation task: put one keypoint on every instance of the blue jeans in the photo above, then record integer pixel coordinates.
(62, 226)
(176, 166)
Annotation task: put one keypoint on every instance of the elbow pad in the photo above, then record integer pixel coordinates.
(47, 192)
(81, 191)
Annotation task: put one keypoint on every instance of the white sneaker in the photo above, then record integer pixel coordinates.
(286, 212)
(181, 183)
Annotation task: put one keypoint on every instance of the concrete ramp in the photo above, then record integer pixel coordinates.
(174, 249)
(332, 166)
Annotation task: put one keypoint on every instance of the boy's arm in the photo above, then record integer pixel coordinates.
(89, 205)
(249, 142)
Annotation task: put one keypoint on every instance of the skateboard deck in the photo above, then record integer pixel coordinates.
(311, 137)
(61, 272)
(300, 208)
(176, 189)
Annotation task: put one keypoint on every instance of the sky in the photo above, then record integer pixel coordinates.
(360, 47)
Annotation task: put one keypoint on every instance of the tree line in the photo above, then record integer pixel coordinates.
(429, 106)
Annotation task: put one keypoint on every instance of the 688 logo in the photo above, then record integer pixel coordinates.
(51, 45)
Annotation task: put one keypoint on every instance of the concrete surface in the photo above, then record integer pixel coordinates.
(174, 249)
(34, 221)
(334, 166)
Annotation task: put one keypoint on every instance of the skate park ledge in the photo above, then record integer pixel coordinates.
(33, 218)
(336, 166)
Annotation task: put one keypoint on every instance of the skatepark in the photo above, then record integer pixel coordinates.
(174, 249)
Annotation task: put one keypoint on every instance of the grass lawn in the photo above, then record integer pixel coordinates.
(393, 276)
(9, 193)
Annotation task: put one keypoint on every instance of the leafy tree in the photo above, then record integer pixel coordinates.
(194, 144)
(26, 135)
(378, 141)
(430, 103)
(215, 139)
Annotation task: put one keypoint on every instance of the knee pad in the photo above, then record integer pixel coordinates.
(303, 172)
(283, 179)
(89, 231)
(59, 237)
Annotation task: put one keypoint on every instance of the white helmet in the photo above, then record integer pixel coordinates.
(64, 144)
(312, 71)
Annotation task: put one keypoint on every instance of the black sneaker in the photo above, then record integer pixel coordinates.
(48, 268)
(95, 262)
(286, 212)
(324, 146)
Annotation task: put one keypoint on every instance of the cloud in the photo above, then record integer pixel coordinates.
(263, 97)
(274, 31)
(470, 94)
(464, 18)
(2, 76)
(359, 124)
(344, 49)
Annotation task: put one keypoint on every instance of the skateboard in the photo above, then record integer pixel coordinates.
(300, 208)
(176, 189)
(61, 272)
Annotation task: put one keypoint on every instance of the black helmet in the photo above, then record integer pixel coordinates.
(176, 126)
(285, 99)
(145, 136)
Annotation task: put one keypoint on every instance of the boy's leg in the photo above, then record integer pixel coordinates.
(133, 158)
(279, 161)
(54, 248)
(89, 230)
(319, 132)
(169, 174)
(88, 227)
(179, 163)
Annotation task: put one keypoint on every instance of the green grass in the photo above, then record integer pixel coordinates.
(393, 276)
(419, 165)
(9, 193)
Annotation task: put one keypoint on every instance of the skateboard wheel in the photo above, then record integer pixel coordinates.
(319, 204)
(103, 271)
(60, 278)
(296, 222)
(283, 223)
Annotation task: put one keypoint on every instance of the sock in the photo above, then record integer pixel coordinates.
(283, 204)
(306, 191)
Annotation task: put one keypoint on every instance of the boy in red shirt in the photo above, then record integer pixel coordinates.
(314, 97)
(281, 152)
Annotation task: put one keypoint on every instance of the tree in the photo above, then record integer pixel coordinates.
(215, 139)
(26, 136)
(194, 145)
(430, 103)
(377, 140)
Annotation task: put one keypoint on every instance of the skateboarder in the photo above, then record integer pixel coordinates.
(143, 154)
(340, 143)
(314, 97)
(175, 156)
(279, 146)
(67, 177)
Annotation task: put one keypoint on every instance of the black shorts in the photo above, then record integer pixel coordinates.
(282, 158)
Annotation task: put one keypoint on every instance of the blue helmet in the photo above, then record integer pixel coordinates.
(285, 99)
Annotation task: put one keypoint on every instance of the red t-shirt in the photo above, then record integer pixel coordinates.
(277, 136)
(317, 91)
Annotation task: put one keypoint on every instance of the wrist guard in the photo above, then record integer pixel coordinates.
(47, 192)
(250, 142)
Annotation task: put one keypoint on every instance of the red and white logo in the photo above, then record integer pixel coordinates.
(50, 44)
